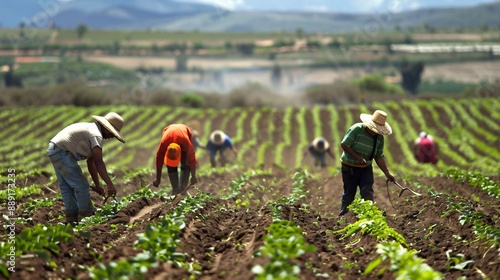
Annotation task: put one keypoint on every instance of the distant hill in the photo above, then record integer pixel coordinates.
(172, 15)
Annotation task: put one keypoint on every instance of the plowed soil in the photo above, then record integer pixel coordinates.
(223, 237)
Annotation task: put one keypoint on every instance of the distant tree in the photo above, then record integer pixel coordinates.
(228, 45)
(197, 46)
(192, 100)
(411, 73)
(22, 29)
(408, 39)
(282, 43)
(388, 46)
(276, 75)
(181, 63)
(299, 33)
(334, 44)
(10, 80)
(397, 28)
(313, 44)
(428, 28)
(81, 29)
(115, 48)
(155, 49)
(183, 48)
(272, 56)
(245, 48)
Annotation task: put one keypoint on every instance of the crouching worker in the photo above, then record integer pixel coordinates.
(176, 147)
(318, 149)
(81, 141)
(218, 142)
(425, 148)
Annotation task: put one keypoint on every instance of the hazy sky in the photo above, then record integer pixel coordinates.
(350, 6)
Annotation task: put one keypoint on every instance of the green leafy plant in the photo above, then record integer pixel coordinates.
(406, 264)
(283, 243)
(457, 262)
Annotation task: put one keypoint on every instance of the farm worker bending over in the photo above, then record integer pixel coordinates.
(318, 149)
(363, 143)
(425, 148)
(76, 142)
(218, 142)
(196, 140)
(194, 126)
(176, 147)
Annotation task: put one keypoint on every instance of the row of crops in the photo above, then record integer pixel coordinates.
(292, 234)
(268, 215)
(466, 132)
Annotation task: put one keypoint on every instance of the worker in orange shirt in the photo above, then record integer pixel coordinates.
(176, 147)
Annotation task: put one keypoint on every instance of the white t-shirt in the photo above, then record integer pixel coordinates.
(79, 139)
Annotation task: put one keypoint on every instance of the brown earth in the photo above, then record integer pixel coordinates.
(222, 237)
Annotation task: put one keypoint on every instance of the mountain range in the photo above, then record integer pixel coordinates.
(188, 16)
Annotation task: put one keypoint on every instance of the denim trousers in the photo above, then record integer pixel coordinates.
(75, 188)
(354, 177)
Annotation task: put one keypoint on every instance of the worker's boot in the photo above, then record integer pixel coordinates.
(212, 162)
(174, 181)
(84, 214)
(343, 209)
(184, 180)
(72, 218)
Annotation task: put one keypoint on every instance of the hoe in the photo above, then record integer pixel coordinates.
(401, 192)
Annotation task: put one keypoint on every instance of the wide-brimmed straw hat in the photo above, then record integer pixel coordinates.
(113, 123)
(217, 137)
(173, 155)
(377, 122)
(320, 144)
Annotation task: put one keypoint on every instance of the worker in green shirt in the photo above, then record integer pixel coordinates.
(363, 143)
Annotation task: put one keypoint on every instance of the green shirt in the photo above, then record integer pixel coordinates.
(362, 143)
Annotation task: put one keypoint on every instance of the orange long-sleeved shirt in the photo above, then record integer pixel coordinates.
(181, 135)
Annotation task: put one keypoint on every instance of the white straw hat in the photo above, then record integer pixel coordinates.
(377, 122)
(113, 123)
(317, 144)
(217, 137)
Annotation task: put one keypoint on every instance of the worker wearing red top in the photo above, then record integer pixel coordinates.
(176, 147)
(425, 149)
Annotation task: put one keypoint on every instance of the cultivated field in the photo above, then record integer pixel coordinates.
(269, 212)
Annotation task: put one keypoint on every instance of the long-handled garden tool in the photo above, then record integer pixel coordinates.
(175, 199)
(113, 197)
(106, 196)
(401, 192)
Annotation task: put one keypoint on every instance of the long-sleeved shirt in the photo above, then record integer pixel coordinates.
(181, 135)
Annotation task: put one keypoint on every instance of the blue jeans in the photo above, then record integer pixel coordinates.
(75, 188)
